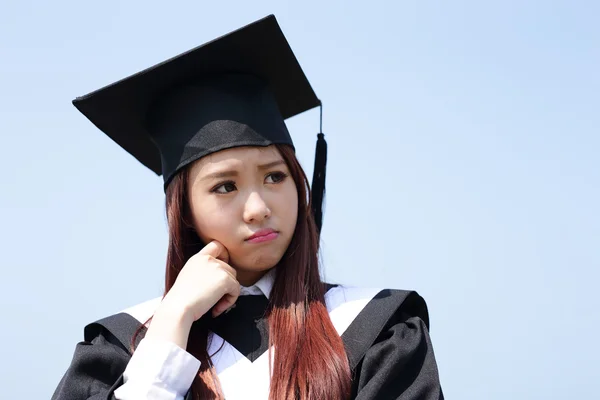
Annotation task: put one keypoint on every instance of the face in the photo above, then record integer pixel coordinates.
(237, 193)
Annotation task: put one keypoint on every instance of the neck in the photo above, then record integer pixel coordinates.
(248, 278)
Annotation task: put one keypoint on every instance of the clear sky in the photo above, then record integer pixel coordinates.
(464, 164)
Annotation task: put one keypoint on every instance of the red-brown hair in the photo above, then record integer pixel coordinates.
(310, 360)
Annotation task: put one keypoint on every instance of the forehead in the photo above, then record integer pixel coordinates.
(246, 156)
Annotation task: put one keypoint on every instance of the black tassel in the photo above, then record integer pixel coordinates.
(318, 182)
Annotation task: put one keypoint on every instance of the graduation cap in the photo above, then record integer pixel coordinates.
(236, 90)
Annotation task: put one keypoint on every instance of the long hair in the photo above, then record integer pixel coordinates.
(310, 360)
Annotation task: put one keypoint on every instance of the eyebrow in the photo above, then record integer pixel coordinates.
(233, 173)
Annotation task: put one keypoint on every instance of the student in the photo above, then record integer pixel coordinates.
(245, 314)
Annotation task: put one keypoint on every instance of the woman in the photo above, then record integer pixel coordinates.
(245, 314)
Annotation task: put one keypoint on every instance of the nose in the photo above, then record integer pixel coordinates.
(256, 209)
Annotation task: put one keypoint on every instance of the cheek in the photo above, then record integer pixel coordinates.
(212, 224)
(290, 206)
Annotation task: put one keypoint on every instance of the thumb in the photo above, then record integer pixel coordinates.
(217, 250)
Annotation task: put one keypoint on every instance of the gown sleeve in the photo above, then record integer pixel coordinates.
(95, 371)
(400, 364)
(103, 368)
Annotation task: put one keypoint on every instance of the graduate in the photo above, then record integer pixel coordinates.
(245, 314)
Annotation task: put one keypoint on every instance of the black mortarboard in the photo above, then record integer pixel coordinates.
(236, 90)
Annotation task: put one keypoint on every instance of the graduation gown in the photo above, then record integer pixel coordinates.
(385, 332)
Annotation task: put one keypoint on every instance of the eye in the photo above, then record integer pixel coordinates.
(227, 186)
(277, 177)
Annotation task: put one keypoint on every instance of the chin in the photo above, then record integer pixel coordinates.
(261, 261)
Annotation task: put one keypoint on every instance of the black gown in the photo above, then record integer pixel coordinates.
(386, 334)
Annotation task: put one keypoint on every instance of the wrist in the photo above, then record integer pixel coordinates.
(171, 323)
(171, 309)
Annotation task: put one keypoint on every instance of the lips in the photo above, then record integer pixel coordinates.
(264, 235)
(261, 233)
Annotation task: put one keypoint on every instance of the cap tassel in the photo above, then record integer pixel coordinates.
(318, 182)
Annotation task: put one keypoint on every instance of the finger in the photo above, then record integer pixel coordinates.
(228, 268)
(233, 289)
(223, 305)
(217, 250)
(232, 292)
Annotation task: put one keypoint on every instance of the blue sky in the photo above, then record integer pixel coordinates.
(463, 163)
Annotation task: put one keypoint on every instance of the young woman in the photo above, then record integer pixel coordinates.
(245, 314)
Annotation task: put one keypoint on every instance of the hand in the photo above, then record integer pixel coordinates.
(206, 280)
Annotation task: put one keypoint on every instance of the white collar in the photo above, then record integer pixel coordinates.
(262, 286)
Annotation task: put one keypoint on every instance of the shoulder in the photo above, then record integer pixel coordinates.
(351, 305)
(124, 324)
(366, 316)
(345, 297)
(143, 311)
